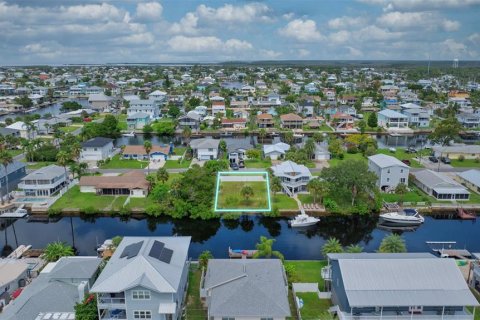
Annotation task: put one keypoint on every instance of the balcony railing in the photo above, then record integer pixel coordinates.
(405, 316)
(108, 300)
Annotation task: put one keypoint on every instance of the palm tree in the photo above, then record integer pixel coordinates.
(162, 175)
(56, 250)
(151, 180)
(246, 192)
(289, 137)
(309, 147)
(204, 257)
(186, 134)
(75, 150)
(276, 185)
(264, 249)
(354, 248)
(62, 159)
(392, 244)
(332, 246)
(262, 133)
(317, 188)
(5, 159)
(147, 144)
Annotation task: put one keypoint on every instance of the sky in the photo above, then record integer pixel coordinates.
(163, 31)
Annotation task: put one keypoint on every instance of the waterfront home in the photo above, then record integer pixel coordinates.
(417, 116)
(294, 177)
(398, 285)
(44, 182)
(13, 275)
(47, 126)
(56, 290)
(138, 152)
(157, 96)
(470, 179)
(145, 106)
(440, 186)
(245, 289)
(138, 120)
(457, 151)
(201, 110)
(392, 119)
(205, 148)
(275, 151)
(218, 107)
(475, 279)
(265, 120)
(146, 278)
(132, 183)
(291, 121)
(247, 90)
(320, 153)
(469, 120)
(389, 170)
(343, 121)
(9, 132)
(190, 120)
(100, 101)
(235, 123)
(16, 171)
(25, 130)
(96, 149)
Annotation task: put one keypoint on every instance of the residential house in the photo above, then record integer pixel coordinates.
(138, 120)
(26, 131)
(100, 101)
(457, 151)
(133, 184)
(311, 88)
(9, 132)
(417, 116)
(44, 182)
(16, 171)
(137, 152)
(13, 275)
(399, 286)
(389, 170)
(245, 289)
(205, 148)
(470, 179)
(146, 278)
(218, 107)
(47, 126)
(469, 120)
(145, 106)
(440, 186)
(201, 110)
(475, 279)
(343, 121)
(157, 96)
(265, 120)
(260, 85)
(307, 108)
(190, 120)
(97, 149)
(392, 119)
(320, 153)
(294, 177)
(275, 151)
(247, 90)
(235, 123)
(291, 121)
(54, 293)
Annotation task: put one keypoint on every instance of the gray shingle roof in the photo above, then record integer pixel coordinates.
(12, 167)
(472, 176)
(404, 282)
(204, 143)
(369, 255)
(48, 172)
(385, 161)
(436, 180)
(121, 274)
(289, 166)
(97, 142)
(247, 288)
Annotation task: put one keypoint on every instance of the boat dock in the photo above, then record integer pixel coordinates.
(446, 249)
(240, 254)
(20, 212)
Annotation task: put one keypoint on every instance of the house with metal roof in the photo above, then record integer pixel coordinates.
(245, 289)
(470, 178)
(205, 148)
(55, 291)
(13, 275)
(392, 119)
(146, 278)
(440, 186)
(458, 150)
(400, 286)
(97, 149)
(44, 182)
(294, 177)
(16, 171)
(138, 120)
(275, 151)
(389, 170)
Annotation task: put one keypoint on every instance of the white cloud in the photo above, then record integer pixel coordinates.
(450, 25)
(474, 38)
(340, 37)
(347, 22)
(413, 20)
(454, 47)
(234, 14)
(302, 53)
(353, 52)
(188, 24)
(374, 33)
(270, 54)
(413, 5)
(301, 30)
(288, 16)
(149, 11)
(207, 44)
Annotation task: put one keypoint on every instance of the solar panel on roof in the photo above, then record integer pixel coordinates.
(159, 252)
(166, 255)
(131, 250)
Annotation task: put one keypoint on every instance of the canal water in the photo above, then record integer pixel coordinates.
(217, 235)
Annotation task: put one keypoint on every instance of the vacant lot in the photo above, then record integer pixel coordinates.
(230, 193)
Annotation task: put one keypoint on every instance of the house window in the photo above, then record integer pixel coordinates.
(227, 318)
(402, 180)
(94, 149)
(140, 295)
(142, 314)
(401, 170)
(388, 171)
(210, 149)
(388, 179)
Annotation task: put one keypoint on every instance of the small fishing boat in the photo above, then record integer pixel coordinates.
(465, 215)
(241, 253)
(407, 217)
(303, 220)
(130, 134)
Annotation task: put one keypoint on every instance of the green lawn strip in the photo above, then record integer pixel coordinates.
(122, 122)
(254, 163)
(69, 129)
(313, 307)
(174, 164)
(117, 163)
(73, 198)
(179, 151)
(15, 152)
(229, 195)
(282, 201)
(38, 165)
(140, 203)
(117, 204)
(414, 195)
(194, 306)
(324, 127)
(466, 163)
(400, 154)
(308, 271)
(354, 156)
(474, 197)
(306, 198)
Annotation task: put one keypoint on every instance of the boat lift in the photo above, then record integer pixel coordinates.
(447, 249)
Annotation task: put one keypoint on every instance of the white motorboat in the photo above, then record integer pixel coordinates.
(130, 134)
(407, 217)
(303, 220)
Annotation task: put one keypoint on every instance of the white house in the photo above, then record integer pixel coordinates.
(392, 119)
(100, 101)
(389, 170)
(146, 106)
(157, 96)
(205, 149)
(294, 177)
(417, 116)
(25, 131)
(275, 151)
(440, 186)
(43, 182)
(97, 149)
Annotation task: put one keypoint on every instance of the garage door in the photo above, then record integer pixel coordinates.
(205, 158)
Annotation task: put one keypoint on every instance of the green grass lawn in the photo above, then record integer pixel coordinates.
(282, 201)
(400, 154)
(38, 165)
(261, 164)
(414, 195)
(179, 151)
(117, 204)
(15, 152)
(194, 307)
(73, 198)
(308, 271)
(230, 197)
(355, 156)
(467, 163)
(324, 127)
(174, 164)
(70, 129)
(313, 307)
(306, 198)
(122, 122)
(117, 163)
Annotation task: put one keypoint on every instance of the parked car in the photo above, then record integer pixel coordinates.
(410, 150)
(407, 162)
(241, 164)
(234, 166)
(445, 160)
(433, 159)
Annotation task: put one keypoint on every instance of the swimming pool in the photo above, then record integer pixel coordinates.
(26, 199)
